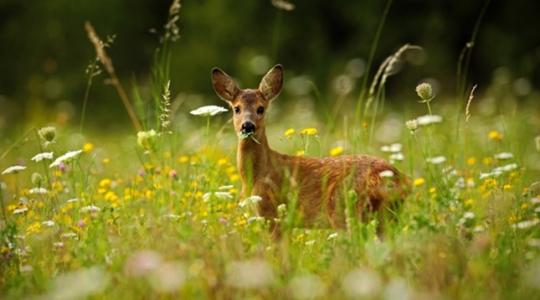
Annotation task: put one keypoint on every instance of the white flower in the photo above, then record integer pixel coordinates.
(437, 160)
(386, 173)
(429, 119)
(66, 157)
(250, 200)
(412, 125)
(38, 190)
(526, 224)
(468, 215)
(72, 200)
(13, 169)
(48, 223)
(397, 156)
(20, 210)
(225, 187)
(58, 245)
(392, 148)
(505, 168)
(208, 111)
(173, 217)
(310, 243)
(89, 208)
(219, 195)
(41, 156)
(504, 155)
(69, 235)
(332, 236)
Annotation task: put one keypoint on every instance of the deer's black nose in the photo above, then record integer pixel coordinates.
(248, 127)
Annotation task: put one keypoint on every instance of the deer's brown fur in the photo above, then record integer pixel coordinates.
(318, 181)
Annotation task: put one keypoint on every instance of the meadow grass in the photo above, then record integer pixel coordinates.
(158, 214)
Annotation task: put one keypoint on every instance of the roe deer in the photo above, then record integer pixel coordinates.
(318, 181)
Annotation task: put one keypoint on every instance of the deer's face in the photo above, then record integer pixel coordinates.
(248, 105)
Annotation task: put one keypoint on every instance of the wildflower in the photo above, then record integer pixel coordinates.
(72, 200)
(386, 173)
(397, 157)
(21, 210)
(13, 169)
(218, 195)
(249, 274)
(65, 158)
(88, 147)
(471, 161)
(428, 120)
(225, 187)
(47, 134)
(424, 91)
(90, 209)
(503, 155)
(289, 132)
(208, 111)
(505, 168)
(250, 200)
(33, 228)
(336, 151)
(526, 224)
(487, 161)
(41, 156)
(183, 159)
(69, 235)
(437, 160)
(494, 135)
(361, 283)
(146, 139)
(300, 153)
(283, 5)
(309, 131)
(419, 181)
(412, 125)
(332, 236)
(38, 191)
(393, 148)
(48, 223)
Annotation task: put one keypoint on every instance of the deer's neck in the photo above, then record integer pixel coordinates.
(254, 158)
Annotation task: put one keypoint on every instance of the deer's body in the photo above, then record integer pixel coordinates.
(319, 182)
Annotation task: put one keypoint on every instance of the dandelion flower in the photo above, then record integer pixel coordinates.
(13, 169)
(289, 132)
(494, 135)
(65, 158)
(336, 151)
(88, 147)
(309, 131)
(208, 111)
(419, 181)
(41, 156)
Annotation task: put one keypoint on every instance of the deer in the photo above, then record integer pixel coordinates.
(319, 182)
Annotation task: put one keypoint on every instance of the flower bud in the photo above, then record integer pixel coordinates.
(424, 91)
(47, 134)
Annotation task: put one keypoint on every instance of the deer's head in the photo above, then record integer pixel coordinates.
(249, 105)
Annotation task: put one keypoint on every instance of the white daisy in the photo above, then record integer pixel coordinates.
(13, 169)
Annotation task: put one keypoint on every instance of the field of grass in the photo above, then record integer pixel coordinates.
(157, 213)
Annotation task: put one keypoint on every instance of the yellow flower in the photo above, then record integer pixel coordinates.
(471, 161)
(106, 161)
(222, 162)
(494, 135)
(33, 228)
(507, 187)
(487, 160)
(419, 181)
(433, 190)
(183, 159)
(300, 153)
(469, 202)
(289, 132)
(88, 147)
(309, 131)
(336, 151)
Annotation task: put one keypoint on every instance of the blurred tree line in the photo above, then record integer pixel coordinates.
(45, 49)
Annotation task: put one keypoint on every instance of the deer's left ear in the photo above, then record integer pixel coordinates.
(272, 83)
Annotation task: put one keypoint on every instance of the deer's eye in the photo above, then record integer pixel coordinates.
(237, 109)
(260, 110)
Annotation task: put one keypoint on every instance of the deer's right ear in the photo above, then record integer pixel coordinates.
(224, 85)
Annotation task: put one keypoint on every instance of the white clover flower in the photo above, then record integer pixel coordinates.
(89, 209)
(208, 111)
(428, 120)
(65, 158)
(41, 156)
(393, 148)
(386, 173)
(437, 160)
(250, 200)
(48, 223)
(504, 155)
(38, 191)
(13, 169)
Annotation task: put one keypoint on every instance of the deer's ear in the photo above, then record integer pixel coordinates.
(224, 85)
(272, 83)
